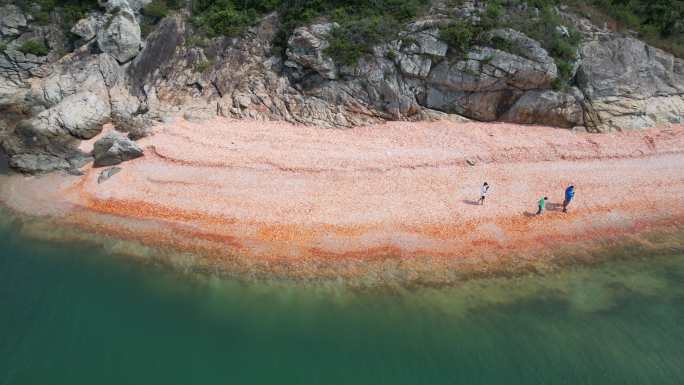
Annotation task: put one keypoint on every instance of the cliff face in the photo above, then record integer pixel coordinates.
(51, 100)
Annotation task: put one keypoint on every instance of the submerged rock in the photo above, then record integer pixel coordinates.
(114, 148)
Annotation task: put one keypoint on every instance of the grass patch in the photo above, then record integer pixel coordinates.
(203, 66)
(34, 47)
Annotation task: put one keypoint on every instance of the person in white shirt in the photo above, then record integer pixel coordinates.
(483, 192)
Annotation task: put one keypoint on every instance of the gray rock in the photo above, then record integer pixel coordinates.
(76, 116)
(485, 106)
(38, 163)
(547, 108)
(522, 45)
(114, 148)
(137, 127)
(82, 114)
(76, 73)
(87, 27)
(12, 20)
(120, 36)
(107, 173)
(113, 6)
(487, 82)
(426, 43)
(17, 67)
(631, 85)
(305, 50)
(415, 65)
(487, 69)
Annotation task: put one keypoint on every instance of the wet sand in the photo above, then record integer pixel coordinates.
(394, 201)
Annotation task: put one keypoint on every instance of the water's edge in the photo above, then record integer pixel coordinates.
(659, 242)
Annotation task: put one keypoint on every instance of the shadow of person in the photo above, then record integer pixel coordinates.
(529, 214)
(472, 203)
(554, 206)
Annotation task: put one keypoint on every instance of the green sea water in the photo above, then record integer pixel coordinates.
(72, 314)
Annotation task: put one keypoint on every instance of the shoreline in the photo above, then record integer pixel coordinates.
(655, 240)
(391, 203)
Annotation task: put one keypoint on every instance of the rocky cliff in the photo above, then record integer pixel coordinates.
(104, 70)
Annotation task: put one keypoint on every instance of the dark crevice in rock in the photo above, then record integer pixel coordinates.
(4, 162)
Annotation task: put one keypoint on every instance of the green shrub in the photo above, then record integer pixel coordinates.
(34, 47)
(657, 21)
(203, 65)
(224, 18)
(362, 23)
(157, 9)
(460, 35)
(356, 38)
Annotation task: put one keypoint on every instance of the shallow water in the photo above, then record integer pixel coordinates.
(71, 314)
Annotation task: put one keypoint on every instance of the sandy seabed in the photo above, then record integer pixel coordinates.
(396, 201)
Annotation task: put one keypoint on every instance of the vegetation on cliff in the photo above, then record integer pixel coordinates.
(363, 24)
(658, 22)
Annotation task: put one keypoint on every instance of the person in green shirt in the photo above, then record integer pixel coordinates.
(542, 205)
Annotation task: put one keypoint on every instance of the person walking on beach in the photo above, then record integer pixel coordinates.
(483, 192)
(542, 205)
(569, 194)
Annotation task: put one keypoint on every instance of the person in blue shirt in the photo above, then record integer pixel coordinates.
(569, 194)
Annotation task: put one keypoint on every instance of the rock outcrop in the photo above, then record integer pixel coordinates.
(13, 20)
(550, 108)
(306, 49)
(32, 163)
(114, 148)
(631, 85)
(120, 36)
(49, 103)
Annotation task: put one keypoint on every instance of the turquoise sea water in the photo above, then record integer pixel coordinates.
(71, 314)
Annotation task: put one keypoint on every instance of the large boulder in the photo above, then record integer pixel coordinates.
(78, 116)
(76, 73)
(114, 148)
(630, 84)
(546, 107)
(82, 114)
(120, 36)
